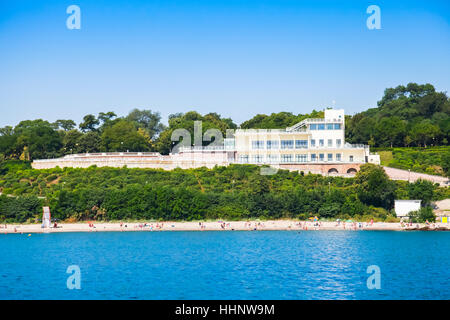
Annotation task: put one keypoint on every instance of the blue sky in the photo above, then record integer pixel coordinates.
(236, 58)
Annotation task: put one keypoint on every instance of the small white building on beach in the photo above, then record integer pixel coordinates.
(404, 207)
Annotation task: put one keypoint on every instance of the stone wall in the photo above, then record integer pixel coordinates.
(327, 169)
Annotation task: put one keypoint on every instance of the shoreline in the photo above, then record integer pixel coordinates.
(269, 225)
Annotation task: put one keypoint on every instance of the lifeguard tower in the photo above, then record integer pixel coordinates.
(46, 217)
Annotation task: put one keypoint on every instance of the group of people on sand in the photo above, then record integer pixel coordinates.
(143, 226)
(256, 225)
(202, 226)
(409, 224)
(305, 224)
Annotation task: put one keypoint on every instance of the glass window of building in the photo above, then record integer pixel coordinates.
(287, 144)
(243, 159)
(313, 143)
(330, 126)
(301, 144)
(330, 157)
(321, 157)
(272, 158)
(313, 127)
(301, 157)
(286, 158)
(321, 126)
(351, 159)
(257, 144)
(321, 143)
(257, 158)
(330, 143)
(338, 157)
(337, 126)
(338, 143)
(272, 144)
(313, 157)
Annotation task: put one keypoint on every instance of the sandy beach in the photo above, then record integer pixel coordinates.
(219, 226)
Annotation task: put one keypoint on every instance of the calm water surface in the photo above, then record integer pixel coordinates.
(226, 265)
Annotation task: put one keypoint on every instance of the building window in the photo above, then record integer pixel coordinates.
(286, 158)
(337, 126)
(287, 144)
(330, 143)
(301, 144)
(301, 157)
(313, 157)
(321, 126)
(243, 159)
(330, 126)
(313, 127)
(272, 158)
(272, 144)
(257, 158)
(338, 143)
(313, 143)
(330, 157)
(338, 157)
(257, 144)
(351, 159)
(321, 157)
(321, 143)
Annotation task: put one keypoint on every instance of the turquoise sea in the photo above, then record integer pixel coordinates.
(226, 265)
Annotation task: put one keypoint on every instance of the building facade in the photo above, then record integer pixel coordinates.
(312, 145)
(404, 207)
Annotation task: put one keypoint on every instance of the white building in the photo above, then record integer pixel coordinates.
(404, 207)
(312, 145)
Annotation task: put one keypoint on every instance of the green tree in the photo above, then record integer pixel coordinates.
(89, 123)
(39, 137)
(421, 190)
(147, 120)
(66, 125)
(424, 132)
(89, 142)
(423, 215)
(123, 136)
(374, 187)
(71, 141)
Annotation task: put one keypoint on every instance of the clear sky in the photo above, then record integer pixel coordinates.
(236, 58)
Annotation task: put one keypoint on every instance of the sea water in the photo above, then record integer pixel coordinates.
(226, 265)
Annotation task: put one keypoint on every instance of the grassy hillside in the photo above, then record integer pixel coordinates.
(234, 192)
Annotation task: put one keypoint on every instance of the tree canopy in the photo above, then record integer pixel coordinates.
(411, 115)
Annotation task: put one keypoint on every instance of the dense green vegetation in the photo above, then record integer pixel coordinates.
(234, 192)
(431, 160)
(412, 115)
